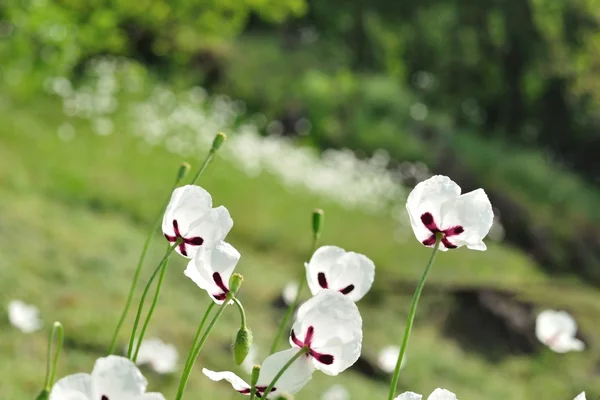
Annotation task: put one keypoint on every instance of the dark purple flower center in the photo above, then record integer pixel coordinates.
(193, 241)
(219, 282)
(260, 391)
(427, 220)
(326, 359)
(323, 283)
(104, 397)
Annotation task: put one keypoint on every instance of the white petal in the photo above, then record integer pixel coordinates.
(428, 197)
(473, 212)
(336, 392)
(337, 329)
(238, 383)
(73, 387)
(565, 344)
(409, 396)
(388, 357)
(557, 330)
(441, 394)
(118, 378)
(289, 293)
(24, 317)
(188, 204)
(161, 356)
(347, 272)
(213, 226)
(208, 265)
(151, 396)
(580, 396)
(293, 379)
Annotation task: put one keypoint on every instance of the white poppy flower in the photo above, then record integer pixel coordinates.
(211, 269)
(557, 329)
(162, 357)
(436, 206)
(190, 217)
(336, 392)
(580, 396)
(292, 380)
(334, 268)
(23, 316)
(388, 356)
(330, 325)
(289, 293)
(437, 394)
(113, 378)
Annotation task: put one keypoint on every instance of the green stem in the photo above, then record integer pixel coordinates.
(254, 380)
(151, 310)
(207, 161)
(292, 307)
(411, 318)
(300, 353)
(194, 352)
(242, 312)
(52, 362)
(198, 332)
(146, 289)
(138, 269)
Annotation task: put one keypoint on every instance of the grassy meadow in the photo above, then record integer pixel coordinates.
(74, 214)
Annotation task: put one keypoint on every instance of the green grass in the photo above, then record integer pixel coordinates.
(74, 215)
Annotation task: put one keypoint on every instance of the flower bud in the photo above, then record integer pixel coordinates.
(317, 221)
(255, 374)
(218, 141)
(235, 282)
(44, 395)
(183, 170)
(242, 345)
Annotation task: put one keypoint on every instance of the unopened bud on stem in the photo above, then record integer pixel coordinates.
(242, 345)
(218, 141)
(183, 170)
(317, 221)
(235, 282)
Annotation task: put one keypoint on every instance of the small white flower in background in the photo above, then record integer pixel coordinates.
(344, 271)
(113, 378)
(289, 293)
(557, 329)
(162, 357)
(23, 316)
(190, 217)
(211, 269)
(336, 392)
(436, 206)
(388, 356)
(330, 325)
(437, 394)
(292, 380)
(580, 396)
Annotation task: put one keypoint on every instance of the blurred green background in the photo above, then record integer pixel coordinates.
(342, 105)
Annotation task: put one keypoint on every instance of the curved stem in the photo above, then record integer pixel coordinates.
(151, 310)
(194, 352)
(51, 363)
(292, 307)
(300, 353)
(146, 289)
(198, 332)
(138, 269)
(411, 318)
(242, 312)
